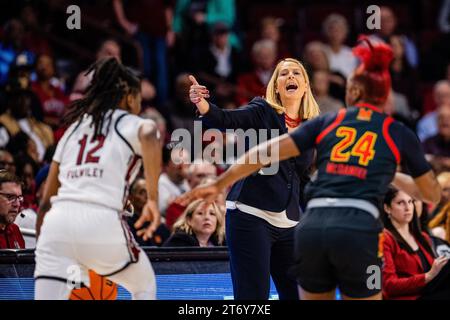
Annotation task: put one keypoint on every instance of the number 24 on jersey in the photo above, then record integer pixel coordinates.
(363, 148)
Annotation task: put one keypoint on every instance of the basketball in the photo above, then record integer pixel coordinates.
(101, 288)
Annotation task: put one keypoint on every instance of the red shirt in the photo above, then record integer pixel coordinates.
(173, 212)
(53, 105)
(11, 237)
(150, 15)
(403, 273)
(249, 86)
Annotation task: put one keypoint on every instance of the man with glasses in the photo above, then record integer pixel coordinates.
(11, 200)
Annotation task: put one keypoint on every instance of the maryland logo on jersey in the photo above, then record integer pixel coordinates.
(364, 114)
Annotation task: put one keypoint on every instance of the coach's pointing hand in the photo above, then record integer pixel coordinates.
(150, 213)
(198, 94)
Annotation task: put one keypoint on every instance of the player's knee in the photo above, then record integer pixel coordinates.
(146, 290)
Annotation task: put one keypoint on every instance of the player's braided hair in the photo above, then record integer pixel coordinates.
(111, 82)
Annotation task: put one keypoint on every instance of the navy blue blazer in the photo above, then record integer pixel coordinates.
(282, 191)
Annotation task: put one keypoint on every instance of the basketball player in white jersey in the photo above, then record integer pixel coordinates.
(94, 164)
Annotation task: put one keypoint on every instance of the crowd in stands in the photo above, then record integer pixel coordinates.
(232, 49)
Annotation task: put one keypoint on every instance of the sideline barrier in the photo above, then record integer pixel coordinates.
(181, 273)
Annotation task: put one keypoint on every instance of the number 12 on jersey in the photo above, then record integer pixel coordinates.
(94, 146)
(363, 148)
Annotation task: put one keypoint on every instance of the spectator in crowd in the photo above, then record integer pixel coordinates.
(438, 146)
(52, 98)
(200, 170)
(20, 75)
(150, 23)
(444, 27)
(107, 48)
(40, 181)
(21, 146)
(34, 37)
(444, 181)
(152, 110)
(11, 46)
(27, 220)
(440, 221)
(148, 93)
(26, 171)
(440, 246)
(153, 114)
(172, 182)
(440, 224)
(201, 225)
(138, 199)
(404, 77)
(388, 28)
(190, 25)
(409, 262)
(7, 161)
(10, 205)
(18, 118)
(427, 126)
(271, 30)
(192, 22)
(253, 84)
(341, 58)
(444, 17)
(196, 174)
(397, 106)
(316, 59)
(217, 65)
(321, 86)
(182, 113)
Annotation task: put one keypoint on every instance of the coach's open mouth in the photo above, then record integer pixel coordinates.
(292, 87)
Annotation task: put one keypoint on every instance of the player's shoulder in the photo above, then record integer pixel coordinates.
(328, 118)
(125, 120)
(119, 115)
(398, 128)
(126, 127)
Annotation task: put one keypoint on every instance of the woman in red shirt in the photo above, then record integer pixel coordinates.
(52, 98)
(409, 261)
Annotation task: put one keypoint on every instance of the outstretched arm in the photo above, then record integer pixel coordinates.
(151, 155)
(424, 188)
(272, 151)
(244, 117)
(422, 184)
(277, 149)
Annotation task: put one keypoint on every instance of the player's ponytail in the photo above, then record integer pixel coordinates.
(111, 82)
(373, 72)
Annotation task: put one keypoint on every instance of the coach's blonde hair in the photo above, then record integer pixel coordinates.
(182, 223)
(308, 105)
